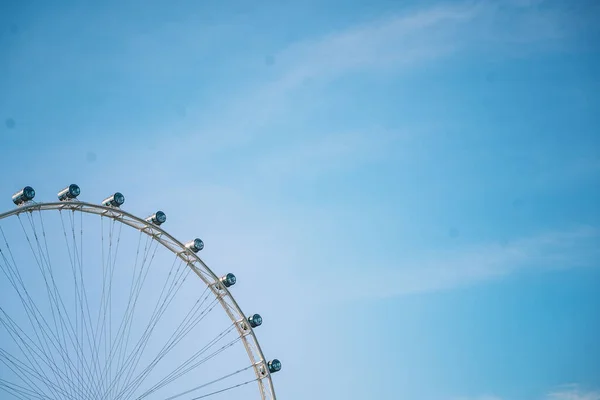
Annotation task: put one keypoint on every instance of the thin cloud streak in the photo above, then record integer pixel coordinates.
(573, 392)
(564, 392)
(448, 270)
(484, 397)
(390, 45)
(401, 41)
(414, 37)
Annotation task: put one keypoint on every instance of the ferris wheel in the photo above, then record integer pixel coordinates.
(99, 304)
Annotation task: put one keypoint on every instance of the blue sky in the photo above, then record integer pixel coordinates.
(409, 191)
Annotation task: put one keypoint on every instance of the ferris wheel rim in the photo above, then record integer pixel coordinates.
(155, 231)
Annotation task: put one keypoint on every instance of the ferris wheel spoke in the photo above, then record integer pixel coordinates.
(225, 390)
(32, 353)
(191, 363)
(81, 304)
(63, 326)
(61, 309)
(102, 331)
(81, 297)
(16, 371)
(13, 365)
(23, 371)
(98, 328)
(67, 330)
(130, 362)
(126, 323)
(211, 383)
(17, 339)
(176, 277)
(111, 261)
(172, 342)
(12, 391)
(42, 331)
(110, 292)
(22, 390)
(134, 296)
(175, 373)
(56, 333)
(189, 321)
(128, 314)
(101, 325)
(33, 372)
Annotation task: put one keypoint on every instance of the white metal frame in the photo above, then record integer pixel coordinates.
(193, 261)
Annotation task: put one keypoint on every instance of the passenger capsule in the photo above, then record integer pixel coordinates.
(69, 193)
(24, 195)
(116, 200)
(255, 320)
(229, 280)
(195, 245)
(158, 218)
(274, 366)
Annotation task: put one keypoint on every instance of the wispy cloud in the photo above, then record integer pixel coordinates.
(401, 39)
(390, 45)
(417, 36)
(445, 270)
(564, 392)
(573, 392)
(484, 397)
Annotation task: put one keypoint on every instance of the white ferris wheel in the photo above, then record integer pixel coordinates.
(98, 304)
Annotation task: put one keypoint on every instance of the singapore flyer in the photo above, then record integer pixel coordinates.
(97, 303)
